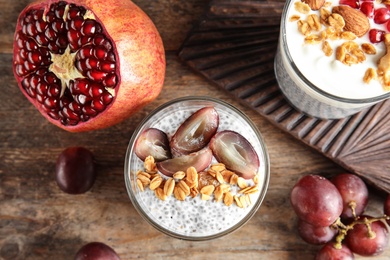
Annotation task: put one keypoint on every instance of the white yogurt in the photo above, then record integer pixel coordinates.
(195, 218)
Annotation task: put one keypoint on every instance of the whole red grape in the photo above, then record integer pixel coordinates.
(316, 200)
(354, 191)
(330, 252)
(315, 235)
(367, 242)
(96, 251)
(75, 170)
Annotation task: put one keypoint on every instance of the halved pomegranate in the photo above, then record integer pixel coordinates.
(87, 64)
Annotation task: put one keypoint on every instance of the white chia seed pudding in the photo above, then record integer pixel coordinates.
(320, 85)
(194, 218)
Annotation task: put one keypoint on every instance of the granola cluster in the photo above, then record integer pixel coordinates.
(216, 182)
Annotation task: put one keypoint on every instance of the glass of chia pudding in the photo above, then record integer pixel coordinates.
(202, 198)
(332, 59)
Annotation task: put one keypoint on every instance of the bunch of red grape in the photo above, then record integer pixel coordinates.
(331, 213)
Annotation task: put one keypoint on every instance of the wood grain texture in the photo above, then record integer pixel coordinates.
(234, 45)
(39, 221)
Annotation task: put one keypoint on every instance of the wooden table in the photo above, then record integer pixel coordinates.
(39, 221)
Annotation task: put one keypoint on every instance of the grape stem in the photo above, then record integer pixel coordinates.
(343, 229)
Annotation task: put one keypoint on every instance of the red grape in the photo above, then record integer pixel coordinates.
(353, 190)
(96, 251)
(75, 170)
(316, 200)
(387, 207)
(315, 235)
(367, 242)
(329, 252)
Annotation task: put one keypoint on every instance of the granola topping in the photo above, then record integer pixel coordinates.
(214, 184)
(341, 33)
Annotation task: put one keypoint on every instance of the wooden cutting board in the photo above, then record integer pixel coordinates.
(234, 44)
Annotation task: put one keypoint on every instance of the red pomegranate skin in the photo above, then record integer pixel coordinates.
(140, 64)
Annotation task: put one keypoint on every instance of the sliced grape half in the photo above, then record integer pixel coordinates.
(153, 142)
(195, 132)
(200, 160)
(238, 155)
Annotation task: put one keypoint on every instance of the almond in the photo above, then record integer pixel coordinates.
(355, 20)
(314, 4)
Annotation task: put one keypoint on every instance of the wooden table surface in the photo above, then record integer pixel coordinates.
(39, 221)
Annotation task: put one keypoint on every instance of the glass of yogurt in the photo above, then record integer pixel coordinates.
(194, 218)
(311, 76)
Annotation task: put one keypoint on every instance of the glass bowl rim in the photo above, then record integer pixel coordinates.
(246, 218)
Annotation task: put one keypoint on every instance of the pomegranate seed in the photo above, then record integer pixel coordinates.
(58, 26)
(100, 52)
(75, 107)
(69, 114)
(20, 70)
(31, 29)
(97, 105)
(89, 111)
(54, 91)
(34, 81)
(50, 103)
(31, 45)
(40, 25)
(82, 99)
(50, 34)
(99, 39)
(85, 52)
(376, 35)
(59, 12)
(89, 27)
(76, 24)
(54, 115)
(62, 41)
(352, 3)
(42, 88)
(107, 98)
(53, 47)
(367, 8)
(107, 66)
(39, 98)
(73, 36)
(35, 57)
(91, 63)
(110, 81)
(95, 91)
(84, 40)
(29, 66)
(50, 17)
(381, 15)
(41, 39)
(96, 75)
(31, 93)
(80, 87)
(51, 78)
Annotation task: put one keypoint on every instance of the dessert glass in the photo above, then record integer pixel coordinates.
(195, 219)
(315, 99)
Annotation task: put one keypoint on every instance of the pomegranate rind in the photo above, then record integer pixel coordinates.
(140, 60)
